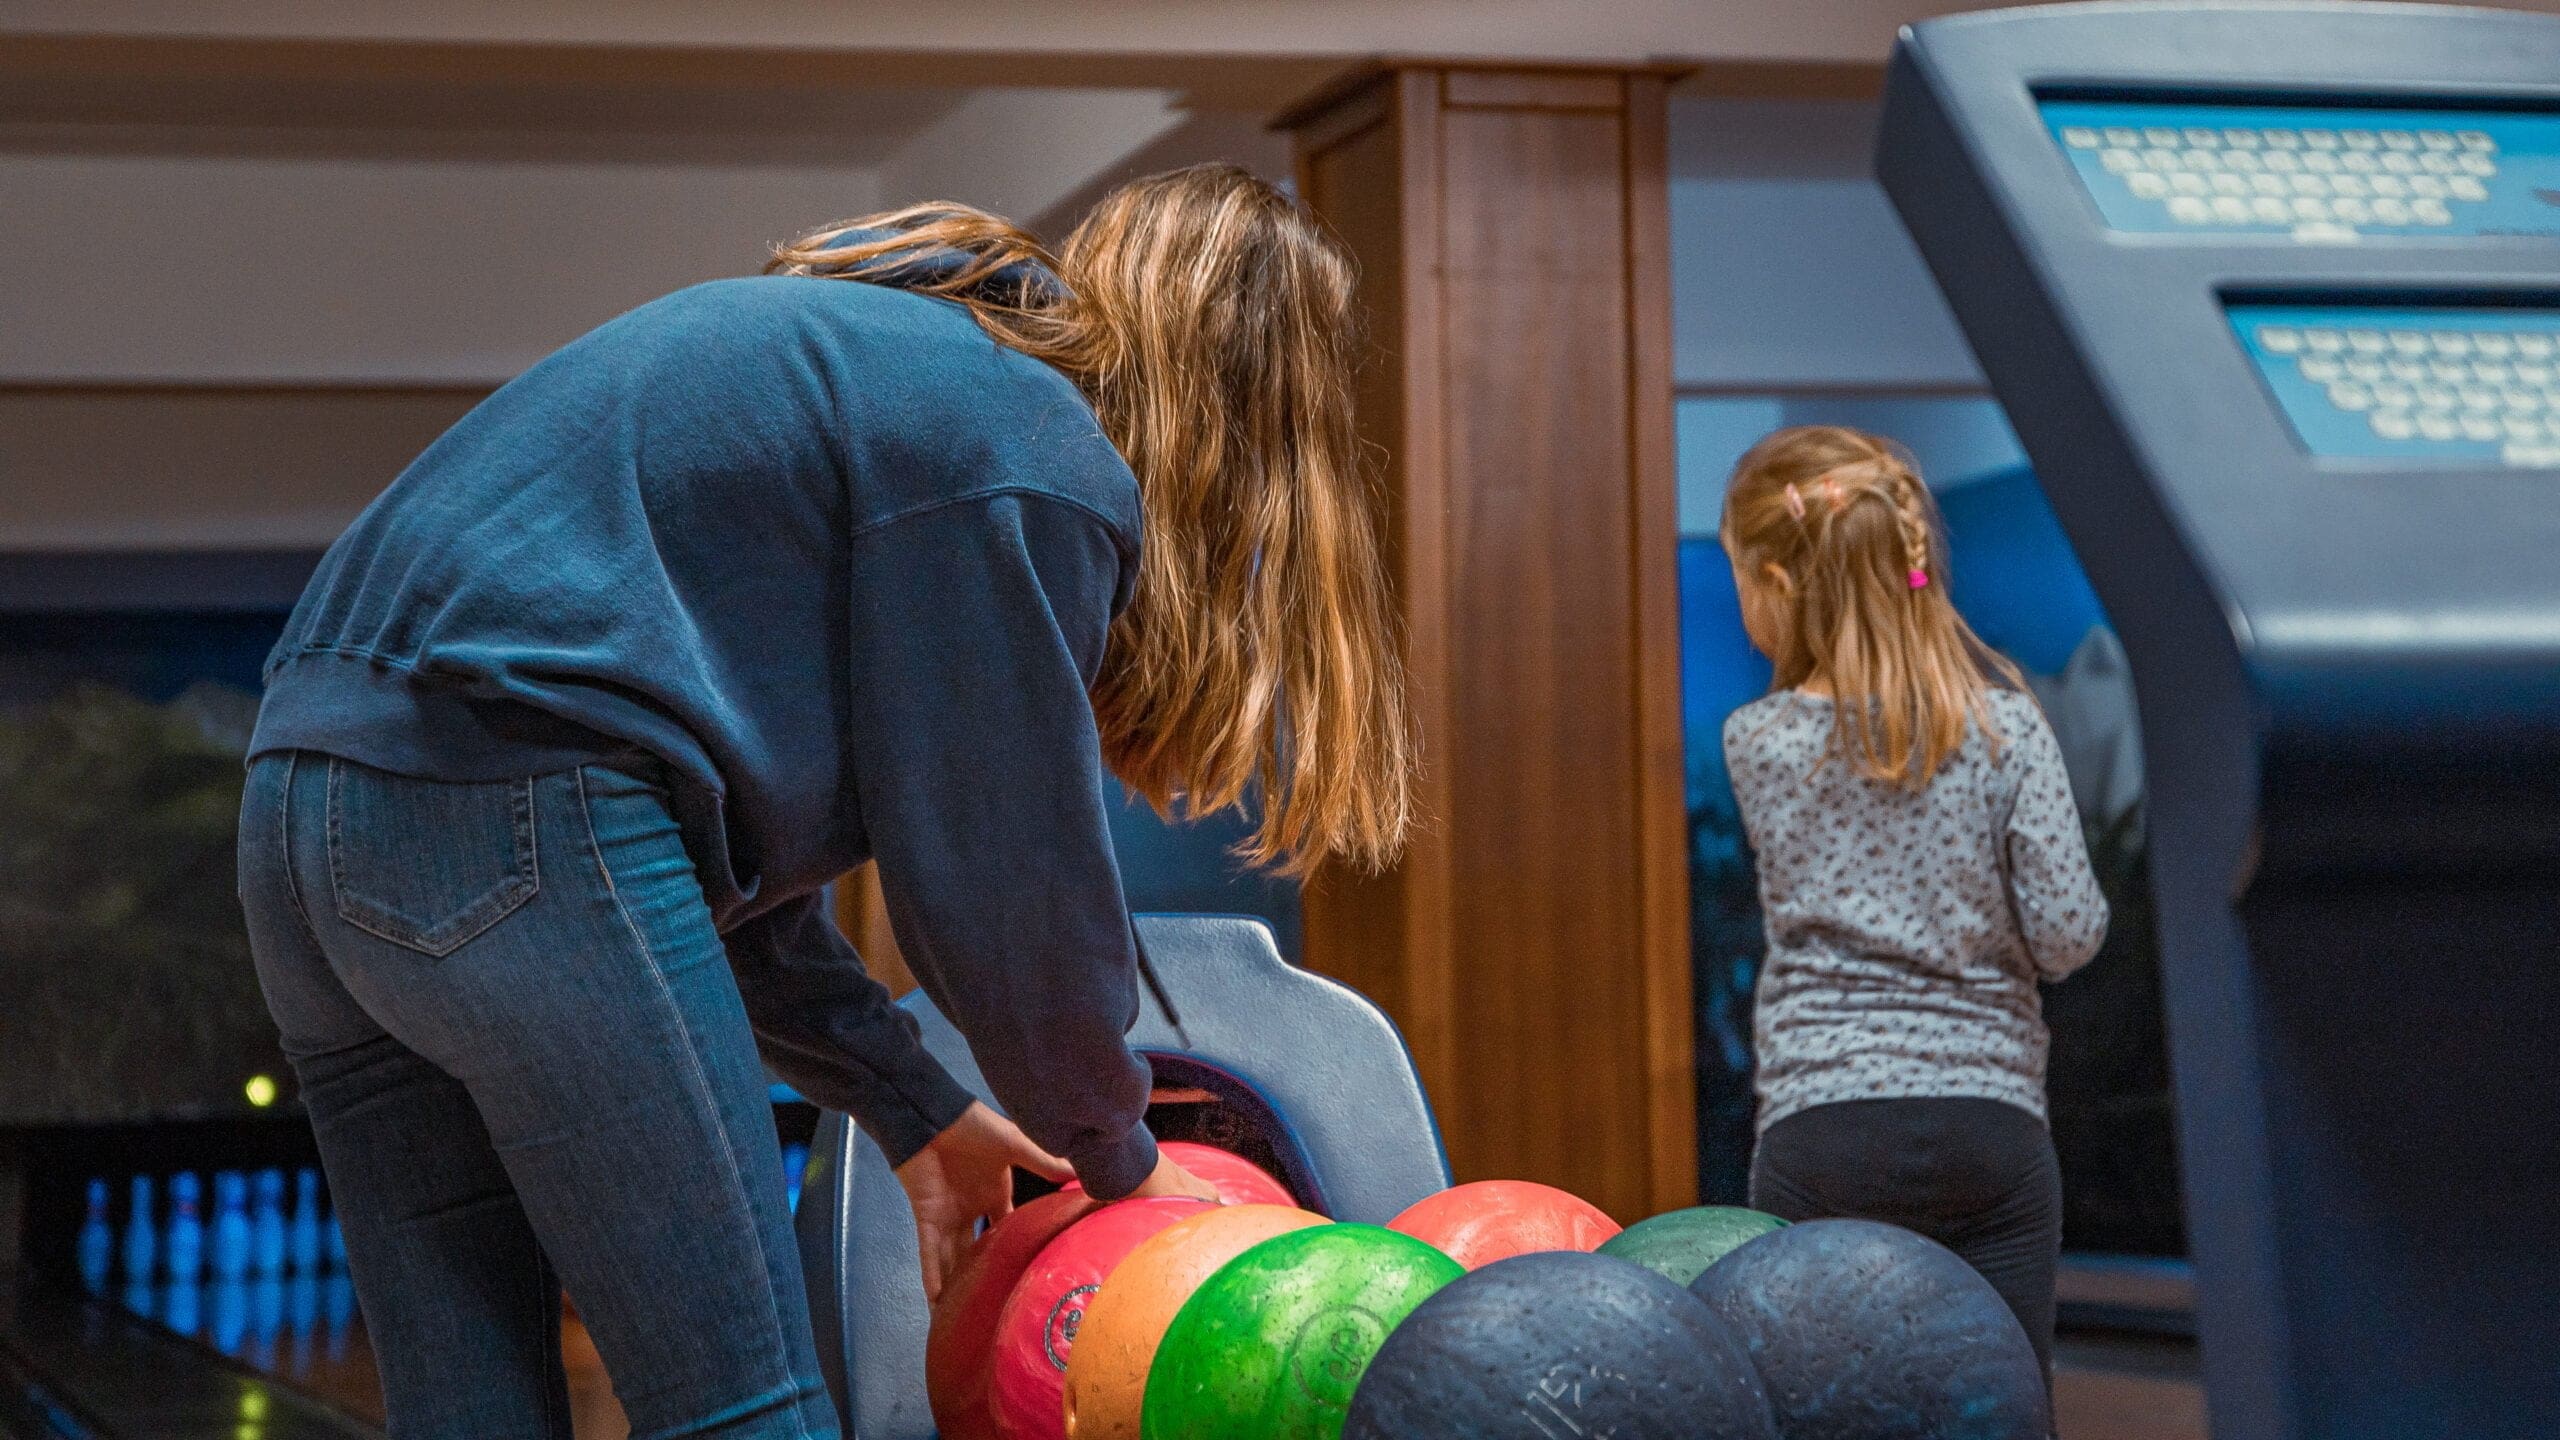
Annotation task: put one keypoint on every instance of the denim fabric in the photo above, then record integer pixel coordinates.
(528, 1063)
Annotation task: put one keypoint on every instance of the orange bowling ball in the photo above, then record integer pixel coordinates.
(960, 1345)
(1483, 1221)
(1123, 1324)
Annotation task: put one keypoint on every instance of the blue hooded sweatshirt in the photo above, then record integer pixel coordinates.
(845, 566)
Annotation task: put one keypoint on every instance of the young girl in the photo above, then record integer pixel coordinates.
(1921, 868)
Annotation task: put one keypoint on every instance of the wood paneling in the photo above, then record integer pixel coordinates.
(1388, 936)
(1511, 230)
(1532, 90)
(1661, 760)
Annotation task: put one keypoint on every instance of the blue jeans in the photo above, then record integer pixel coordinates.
(528, 1064)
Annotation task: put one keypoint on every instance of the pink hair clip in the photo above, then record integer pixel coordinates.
(1795, 502)
(1919, 579)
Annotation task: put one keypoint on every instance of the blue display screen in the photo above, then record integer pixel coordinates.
(2319, 175)
(2415, 385)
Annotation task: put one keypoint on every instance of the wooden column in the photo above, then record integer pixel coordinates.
(1512, 231)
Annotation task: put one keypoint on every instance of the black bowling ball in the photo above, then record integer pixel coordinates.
(1559, 1344)
(1863, 1331)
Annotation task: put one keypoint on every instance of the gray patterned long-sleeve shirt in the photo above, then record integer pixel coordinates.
(1907, 930)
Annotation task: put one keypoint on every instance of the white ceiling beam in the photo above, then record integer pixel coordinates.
(1551, 29)
(1232, 54)
(1619, 30)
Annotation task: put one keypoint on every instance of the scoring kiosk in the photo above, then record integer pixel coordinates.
(2272, 296)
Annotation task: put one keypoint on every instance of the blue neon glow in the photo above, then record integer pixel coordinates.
(2206, 169)
(2415, 385)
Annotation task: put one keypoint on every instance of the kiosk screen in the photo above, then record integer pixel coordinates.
(2317, 174)
(2420, 385)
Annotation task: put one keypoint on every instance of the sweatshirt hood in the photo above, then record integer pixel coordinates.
(925, 264)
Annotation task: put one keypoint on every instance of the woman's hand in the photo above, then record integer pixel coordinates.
(964, 1176)
(1171, 1179)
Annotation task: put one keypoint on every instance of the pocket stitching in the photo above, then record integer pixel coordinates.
(284, 850)
(465, 925)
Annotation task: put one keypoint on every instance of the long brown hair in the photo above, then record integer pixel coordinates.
(1846, 552)
(1211, 322)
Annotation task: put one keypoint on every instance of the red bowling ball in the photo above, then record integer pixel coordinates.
(1237, 1180)
(1036, 1330)
(956, 1351)
(1487, 1220)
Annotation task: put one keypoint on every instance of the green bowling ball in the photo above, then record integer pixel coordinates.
(1679, 1246)
(1273, 1345)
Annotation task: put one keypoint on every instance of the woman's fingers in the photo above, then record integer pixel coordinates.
(1169, 1178)
(1040, 1162)
(933, 1250)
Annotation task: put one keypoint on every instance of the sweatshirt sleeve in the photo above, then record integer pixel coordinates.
(2061, 912)
(976, 628)
(831, 1032)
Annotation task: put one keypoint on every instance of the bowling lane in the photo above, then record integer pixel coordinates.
(261, 1360)
(2127, 1387)
(84, 1368)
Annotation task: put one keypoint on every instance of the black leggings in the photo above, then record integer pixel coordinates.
(1977, 1176)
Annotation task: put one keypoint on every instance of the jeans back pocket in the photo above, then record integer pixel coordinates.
(428, 864)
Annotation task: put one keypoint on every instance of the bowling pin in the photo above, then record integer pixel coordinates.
(181, 1306)
(138, 1297)
(267, 1229)
(302, 1319)
(97, 1247)
(230, 1315)
(338, 1310)
(230, 1225)
(795, 1165)
(303, 1236)
(185, 1246)
(333, 1244)
(266, 1319)
(141, 1234)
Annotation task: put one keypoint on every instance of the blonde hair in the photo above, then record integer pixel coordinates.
(1211, 322)
(1862, 606)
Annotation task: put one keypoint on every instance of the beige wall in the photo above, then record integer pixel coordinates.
(193, 269)
(232, 336)
(206, 352)
(203, 469)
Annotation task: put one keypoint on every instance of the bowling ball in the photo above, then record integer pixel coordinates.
(1237, 1180)
(1487, 1220)
(957, 1346)
(1678, 1245)
(1043, 1318)
(1107, 1371)
(1271, 1346)
(1860, 1329)
(1561, 1344)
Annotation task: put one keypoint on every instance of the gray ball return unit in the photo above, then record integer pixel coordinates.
(1281, 1065)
